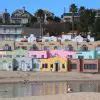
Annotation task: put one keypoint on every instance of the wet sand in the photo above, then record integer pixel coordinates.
(69, 96)
(11, 77)
(14, 77)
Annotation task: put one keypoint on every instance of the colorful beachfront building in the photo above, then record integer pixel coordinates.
(90, 65)
(56, 63)
(20, 60)
(98, 54)
(85, 55)
(5, 61)
(37, 54)
(62, 53)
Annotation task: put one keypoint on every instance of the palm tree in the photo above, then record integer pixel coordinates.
(73, 10)
(41, 15)
(81, 10)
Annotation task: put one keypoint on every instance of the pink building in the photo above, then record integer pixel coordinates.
(37, 54)
(62, 53)
(51, 53)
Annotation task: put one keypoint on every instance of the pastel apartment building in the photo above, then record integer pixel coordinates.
(90, 65)
(85, 55)
(62, 53)
(37, 54)
(55, 64)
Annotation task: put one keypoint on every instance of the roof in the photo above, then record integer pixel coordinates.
(70, 14)
(21, 13)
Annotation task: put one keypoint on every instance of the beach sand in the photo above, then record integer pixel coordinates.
(11, 77)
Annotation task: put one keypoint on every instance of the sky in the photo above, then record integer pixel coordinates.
(55, 6)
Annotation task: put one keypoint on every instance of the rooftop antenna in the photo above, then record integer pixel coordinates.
(64, 10)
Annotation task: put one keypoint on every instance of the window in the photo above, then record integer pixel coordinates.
(63, 66)
(80, 57)
(69, 56)
(98, 48)
(4, 30)
(69, 47)
(51, 66)
(9, 56)
(44, 65)
(73, 66)
(55, 47)
(7, 47)
(46, 48)
(90, 66)
(34, 56)
(17, 55)
(23, 55)
(42, 56)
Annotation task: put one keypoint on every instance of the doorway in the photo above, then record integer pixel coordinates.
(57, 67)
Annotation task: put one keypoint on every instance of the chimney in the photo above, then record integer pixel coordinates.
(5, 10)
(23, 9)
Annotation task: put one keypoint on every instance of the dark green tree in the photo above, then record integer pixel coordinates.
(97, 29)
(73, 10)
(86, 20)
(57, 19)
(40, 14)
(50, 18)
(1, 21)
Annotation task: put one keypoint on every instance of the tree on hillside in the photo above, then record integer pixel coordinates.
(97, 29)
(33, 19)
(1, 21)
(73, 9)
(49, 18)
(86, 20)
(40, 14)
(57, 19)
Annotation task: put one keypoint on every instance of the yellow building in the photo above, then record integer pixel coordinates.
(56, 64)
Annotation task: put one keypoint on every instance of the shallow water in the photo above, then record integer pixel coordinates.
(47, 88)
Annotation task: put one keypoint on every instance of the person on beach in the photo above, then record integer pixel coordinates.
(69, 90)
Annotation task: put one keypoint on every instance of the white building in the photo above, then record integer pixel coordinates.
(10, 32)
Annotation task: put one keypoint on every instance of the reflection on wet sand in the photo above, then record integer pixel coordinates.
(47, 88)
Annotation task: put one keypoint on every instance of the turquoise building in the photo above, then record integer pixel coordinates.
(86, 55)
(98, 54)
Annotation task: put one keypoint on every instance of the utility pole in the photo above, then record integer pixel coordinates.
(41, 31)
